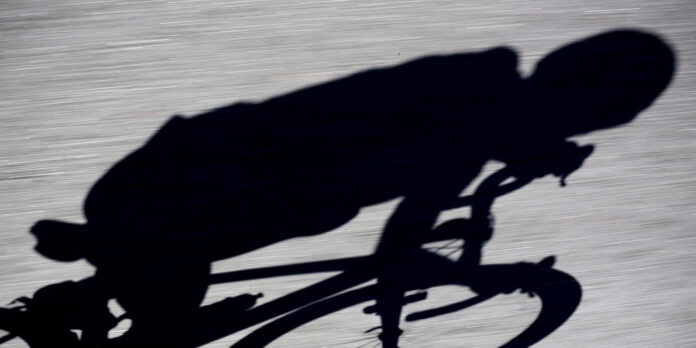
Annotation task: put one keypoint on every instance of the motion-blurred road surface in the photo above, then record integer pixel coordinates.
(83, 83)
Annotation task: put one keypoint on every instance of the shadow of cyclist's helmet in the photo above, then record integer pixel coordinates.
(599, 82)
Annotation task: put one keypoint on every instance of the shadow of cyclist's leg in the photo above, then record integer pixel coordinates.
(162, 304)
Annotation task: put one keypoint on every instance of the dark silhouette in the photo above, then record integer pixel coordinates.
(248, 175)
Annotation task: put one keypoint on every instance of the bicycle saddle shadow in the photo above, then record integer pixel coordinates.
(248, 175)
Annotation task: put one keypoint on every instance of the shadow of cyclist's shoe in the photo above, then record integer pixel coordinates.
(37, 330)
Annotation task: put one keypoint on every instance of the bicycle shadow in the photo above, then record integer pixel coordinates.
(245, 176)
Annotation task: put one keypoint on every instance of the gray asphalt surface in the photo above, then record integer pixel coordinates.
(83, 83)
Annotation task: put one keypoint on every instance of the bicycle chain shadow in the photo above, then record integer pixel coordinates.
(241, 177)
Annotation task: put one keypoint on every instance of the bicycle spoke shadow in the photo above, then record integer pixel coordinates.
(245, 176)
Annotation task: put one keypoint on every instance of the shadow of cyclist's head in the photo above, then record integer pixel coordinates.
(600, 82)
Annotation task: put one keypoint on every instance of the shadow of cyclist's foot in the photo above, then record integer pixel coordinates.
(390, 339)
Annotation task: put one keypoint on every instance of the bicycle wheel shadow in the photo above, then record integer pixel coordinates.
(245, 176)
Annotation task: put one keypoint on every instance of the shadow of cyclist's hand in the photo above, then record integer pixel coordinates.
(558, 160)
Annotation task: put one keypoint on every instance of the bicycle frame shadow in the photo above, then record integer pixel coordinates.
(560, 294)
(245, 176)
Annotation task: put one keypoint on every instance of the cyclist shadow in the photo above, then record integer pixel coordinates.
(248, 175)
